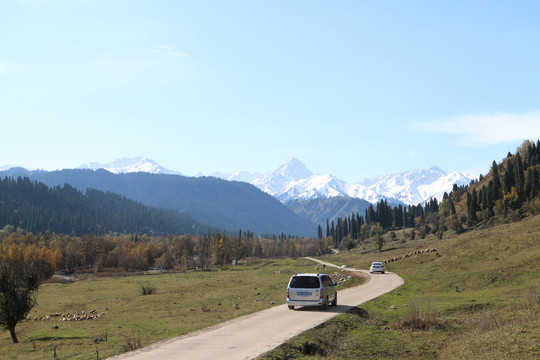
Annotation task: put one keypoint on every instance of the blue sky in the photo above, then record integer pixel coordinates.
(352, 88)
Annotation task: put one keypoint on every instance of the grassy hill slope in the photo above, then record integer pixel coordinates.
(478, 299)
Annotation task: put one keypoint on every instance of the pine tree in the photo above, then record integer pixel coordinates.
(327, 228)
(497, 194)
(509, 177)
(520, 178)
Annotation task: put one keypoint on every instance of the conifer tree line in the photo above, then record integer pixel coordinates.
(357, 227)
(34, 207)
(510, 188)
(510, 185)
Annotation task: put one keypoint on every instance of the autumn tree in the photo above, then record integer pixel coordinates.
(22, 269)
(238, 248)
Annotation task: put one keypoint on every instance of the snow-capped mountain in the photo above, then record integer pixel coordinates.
(277, 181)
(293, 180)
(416, 186)
(126, 165)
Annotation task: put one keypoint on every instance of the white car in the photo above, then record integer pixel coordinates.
(311, 290)
(376, 266)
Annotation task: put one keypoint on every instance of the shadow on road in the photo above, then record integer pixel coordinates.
(338, 309)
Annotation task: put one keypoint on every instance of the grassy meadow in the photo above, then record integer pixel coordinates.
(479, 299)
(182, 303)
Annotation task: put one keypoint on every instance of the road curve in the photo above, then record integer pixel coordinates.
(252, 335)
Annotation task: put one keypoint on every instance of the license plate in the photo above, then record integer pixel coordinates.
(304, 293)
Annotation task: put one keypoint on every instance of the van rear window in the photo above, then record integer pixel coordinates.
(305, 282)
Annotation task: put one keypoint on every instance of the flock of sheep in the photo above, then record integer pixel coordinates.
(416, 252)
(92, 315)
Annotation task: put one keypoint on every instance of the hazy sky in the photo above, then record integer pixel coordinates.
(352, 88)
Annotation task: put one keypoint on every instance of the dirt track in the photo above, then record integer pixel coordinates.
(250, 336)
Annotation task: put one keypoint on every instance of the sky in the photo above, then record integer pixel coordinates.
(351, 88)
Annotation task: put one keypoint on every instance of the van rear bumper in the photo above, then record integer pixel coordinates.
(305, 302)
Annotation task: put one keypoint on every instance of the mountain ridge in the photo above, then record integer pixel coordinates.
(128, 165)
(226, 205)
(294, 181)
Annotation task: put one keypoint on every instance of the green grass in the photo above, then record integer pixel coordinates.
(494, 314)
(182, 303)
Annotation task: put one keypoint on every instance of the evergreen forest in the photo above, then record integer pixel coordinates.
(508, 192)
(34, 207)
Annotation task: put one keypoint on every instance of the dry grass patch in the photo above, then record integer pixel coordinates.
(421, 314)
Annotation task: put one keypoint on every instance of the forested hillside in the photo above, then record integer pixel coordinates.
(509, 192)
(319, 210)
(226, 205)
(34, 207)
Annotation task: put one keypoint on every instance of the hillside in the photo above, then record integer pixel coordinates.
(479, 298)
(34, 207)
(319, 210)
(227, 205)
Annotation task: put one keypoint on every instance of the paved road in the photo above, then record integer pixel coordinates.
(250, 336)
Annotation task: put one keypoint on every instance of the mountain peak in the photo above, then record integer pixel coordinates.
(130, 165)
(437, 170)
(294, 169)
(283, 177)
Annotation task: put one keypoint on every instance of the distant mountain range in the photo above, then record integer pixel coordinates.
(232, 201)
(294, 181)
(127, 165)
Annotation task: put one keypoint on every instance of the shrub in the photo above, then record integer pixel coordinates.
(148, 289)
(132, 342)
(421, 316)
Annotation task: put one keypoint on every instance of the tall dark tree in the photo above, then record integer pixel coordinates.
(520, 178)
(509, 177)
(497, 188)
(327, 228)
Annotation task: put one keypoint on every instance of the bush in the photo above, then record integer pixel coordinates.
(421, 316)
(148, 289)
(132, 342)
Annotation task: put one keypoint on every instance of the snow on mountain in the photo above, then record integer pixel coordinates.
(237, 176)
(294, 181)
(274, 182)
(416, 186)
(323, 187)
(444, 184)
(127, 165)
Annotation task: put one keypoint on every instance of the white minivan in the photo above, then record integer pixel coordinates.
(311, 290)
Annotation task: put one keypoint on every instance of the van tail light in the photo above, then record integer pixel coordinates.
(287, 293)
